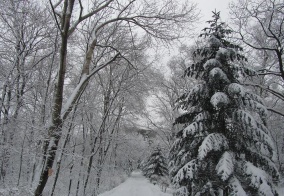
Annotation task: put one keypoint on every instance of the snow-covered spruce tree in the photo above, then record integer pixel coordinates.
(156, 166)
(225, 147)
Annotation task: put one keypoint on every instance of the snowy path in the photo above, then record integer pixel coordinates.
(136, 185)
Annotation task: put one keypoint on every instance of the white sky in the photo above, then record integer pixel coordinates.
(207, 6)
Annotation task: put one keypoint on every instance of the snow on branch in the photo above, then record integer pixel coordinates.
(190, 114)
(236, 187)
(254, 130)
(249, 99)
(206, 189)
(196, 93)
(235, 90)
(205, 115)
(225, 53)
(225, 166)
(256, 155)
(217, 73)
(181, 191)
(254, 97)
(258, 179)
(74, 94)
(211, 63)
(187, 172)
(255, 106)
(214, 42)
(219, 99)
(81, 86)
(213, 142)
(194, 128)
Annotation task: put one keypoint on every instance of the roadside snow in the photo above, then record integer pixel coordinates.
(136, 185)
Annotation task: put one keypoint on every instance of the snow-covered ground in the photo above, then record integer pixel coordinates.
(136, 185)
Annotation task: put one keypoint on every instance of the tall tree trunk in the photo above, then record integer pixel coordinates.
(54, 132)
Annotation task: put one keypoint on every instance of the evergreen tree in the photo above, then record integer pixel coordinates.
(224, 147)
(156, 166)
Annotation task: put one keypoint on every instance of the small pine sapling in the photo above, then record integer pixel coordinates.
(156, 167)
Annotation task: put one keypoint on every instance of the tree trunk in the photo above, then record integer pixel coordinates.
(67, 139)
(21, 161)
(54, 131)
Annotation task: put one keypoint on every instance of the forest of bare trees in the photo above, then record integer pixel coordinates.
(83, 99)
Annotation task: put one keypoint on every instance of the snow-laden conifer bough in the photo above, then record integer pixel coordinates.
(224, 147)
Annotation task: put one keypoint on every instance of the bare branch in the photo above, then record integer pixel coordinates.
(276, 94)
(81, 18)
(57, 4)
(81, 87)
(276, 111)
(268, 72)
(54, 14)
(253, 46)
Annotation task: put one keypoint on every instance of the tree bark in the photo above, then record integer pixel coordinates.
(54, 131)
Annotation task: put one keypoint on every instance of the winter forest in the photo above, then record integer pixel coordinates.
(93, 92)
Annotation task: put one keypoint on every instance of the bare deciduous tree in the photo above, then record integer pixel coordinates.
(25, 36)
(158, 20)
(259, 24)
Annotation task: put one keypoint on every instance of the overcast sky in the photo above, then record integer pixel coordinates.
(207, 6)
